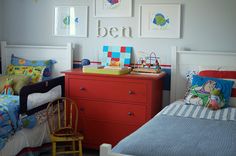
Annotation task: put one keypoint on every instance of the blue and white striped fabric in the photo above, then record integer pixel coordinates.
(179, 108)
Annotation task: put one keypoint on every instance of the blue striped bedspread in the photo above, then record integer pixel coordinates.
(179, 108)
(184, 130)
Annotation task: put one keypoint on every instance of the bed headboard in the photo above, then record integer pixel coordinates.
(184, 61)
(62, 54)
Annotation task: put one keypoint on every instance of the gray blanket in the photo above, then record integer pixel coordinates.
(169, 135)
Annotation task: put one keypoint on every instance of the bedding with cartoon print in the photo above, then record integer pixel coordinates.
(9, 118)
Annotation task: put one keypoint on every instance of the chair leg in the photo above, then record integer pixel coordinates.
(73, 146)
(53, 148)
(80, 148)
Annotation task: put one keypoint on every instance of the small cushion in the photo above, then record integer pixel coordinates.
(209, 92)
(226, 75)
(17, 61)
(34, 72)
(18, 82)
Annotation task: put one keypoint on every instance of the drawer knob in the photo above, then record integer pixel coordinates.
(130, 113)
(82, 88)
(130, 92)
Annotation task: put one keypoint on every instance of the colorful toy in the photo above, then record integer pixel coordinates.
(8, 87)
(149, 64)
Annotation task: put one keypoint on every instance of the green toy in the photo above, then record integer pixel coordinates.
(8, 87)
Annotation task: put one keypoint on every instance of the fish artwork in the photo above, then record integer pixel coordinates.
(66, 20)
(160, 20)
(113, 2)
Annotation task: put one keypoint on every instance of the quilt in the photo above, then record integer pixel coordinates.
(10, 121)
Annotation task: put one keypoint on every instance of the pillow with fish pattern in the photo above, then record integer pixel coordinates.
(213, 93)
(34, 72)
(17, 61)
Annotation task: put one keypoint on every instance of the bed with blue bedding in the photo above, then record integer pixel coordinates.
(10, 121)
(181, 129)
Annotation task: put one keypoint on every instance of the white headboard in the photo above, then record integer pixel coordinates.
(184, 61)
(62, 54)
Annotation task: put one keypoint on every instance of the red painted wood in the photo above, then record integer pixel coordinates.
(111, 107)
(108, 111)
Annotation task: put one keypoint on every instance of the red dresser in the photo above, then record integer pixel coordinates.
(111, 107)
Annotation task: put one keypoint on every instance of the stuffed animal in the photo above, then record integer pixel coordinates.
(8, 87)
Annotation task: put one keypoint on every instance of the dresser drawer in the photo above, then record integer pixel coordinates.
(108, 90)
(97, 132)
(112, 112)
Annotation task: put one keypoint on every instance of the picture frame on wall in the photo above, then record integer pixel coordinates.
(71, 21)
(160, 20)
(113, 8)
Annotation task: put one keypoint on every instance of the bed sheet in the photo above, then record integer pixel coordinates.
(34, 137)
(181, 130)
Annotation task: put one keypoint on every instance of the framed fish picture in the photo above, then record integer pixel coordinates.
(113, 8)
(160, 21)
(71, 21)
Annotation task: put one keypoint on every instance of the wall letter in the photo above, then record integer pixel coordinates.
(112, 30)
(102, 32)
(126, 30)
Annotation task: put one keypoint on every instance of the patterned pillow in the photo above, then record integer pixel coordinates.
(226, 75)
(34, 72)
(17, 61)
(209, 92)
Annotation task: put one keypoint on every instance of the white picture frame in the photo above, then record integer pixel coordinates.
(62, 21)
(113, 8)
(160, 20)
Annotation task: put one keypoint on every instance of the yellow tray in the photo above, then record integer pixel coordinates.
(106, 71)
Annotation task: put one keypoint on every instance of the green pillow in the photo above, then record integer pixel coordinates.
(19, 81)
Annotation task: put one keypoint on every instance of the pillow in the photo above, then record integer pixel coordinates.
(209, 92)
(34, 72)
(18, 82)
(17, 61)
(226, 75)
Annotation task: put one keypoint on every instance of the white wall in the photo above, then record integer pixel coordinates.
(1, 19)
(206, 25)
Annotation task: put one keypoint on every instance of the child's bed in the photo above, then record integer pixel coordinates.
(187, 129)
(32, 100)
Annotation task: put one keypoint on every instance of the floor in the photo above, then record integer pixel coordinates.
(91, 153)
(86, 152)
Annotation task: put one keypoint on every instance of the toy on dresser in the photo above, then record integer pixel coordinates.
(149, 64)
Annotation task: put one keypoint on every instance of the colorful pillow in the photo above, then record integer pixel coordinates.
(34, 72)
(8, 87)
(17, 61)
(18, 82)
(226, 75)
(209, 92)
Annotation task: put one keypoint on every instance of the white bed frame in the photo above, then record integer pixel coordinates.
(62, 54)
(64, 57)
(183, 61)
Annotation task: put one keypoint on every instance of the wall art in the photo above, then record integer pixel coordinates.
(113, 8)
(71, 21)
(116, 56)
(160, 21)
